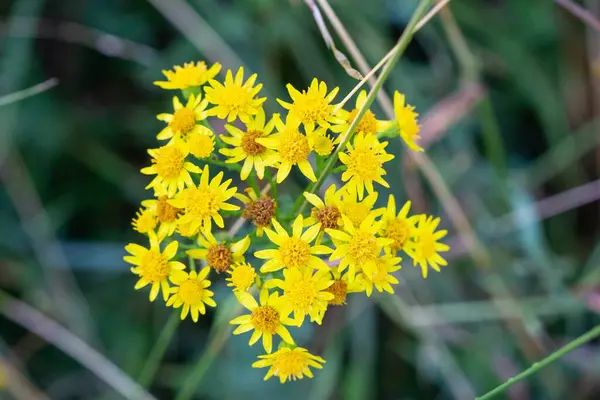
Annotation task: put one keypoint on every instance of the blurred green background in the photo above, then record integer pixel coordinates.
(509, 95)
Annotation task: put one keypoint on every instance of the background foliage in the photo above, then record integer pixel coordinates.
(512, 124)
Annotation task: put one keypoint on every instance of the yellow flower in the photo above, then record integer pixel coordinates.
(171, 170)
(313, 106)
(191, 292)
(183, 122)
(406, 118)
(144, 221)
(357, 210)
(245, 146)
(259, 210)
(186, 230)
(267, 319)
(219, 256)
(201, 204)
(325, 214)
(201, 143)
(165, 213)
(235, 99)
(425, 249)
(289, 364)
(381, 276)
(357, 247)
(293, 148)
(368, 125)
(304, 292)
(399, 228)
(189, 76)
(153, 266)
(342, 285)
(294, 251)
(364, 163)
(241, 277)
(321, 142)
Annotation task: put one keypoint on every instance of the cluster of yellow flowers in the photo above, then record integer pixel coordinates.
(310, 262)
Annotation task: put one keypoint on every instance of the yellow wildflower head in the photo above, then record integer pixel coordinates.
(201, 204)
(325, 214)
(234, 99)
(357, 247)
(321, 142)
(368, 125)
(153, 266)
(183, 123)
(219, 256)
(364, 163)
(245, 147)
(267, 319)
(292, 148)
(289, 363)
(397, 227)
(191, 75)
(425, 249)
(305, 292)
(380, 276)
(342, 285)
(312, 106)
(258, 210)
(201, 144)
(241, 277)
(166, 215)
(357, 210)
(293, 252)
(191, 292)
(144, 221)
(406, 118)
(171, 170)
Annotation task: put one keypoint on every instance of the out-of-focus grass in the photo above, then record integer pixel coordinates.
(83, 142)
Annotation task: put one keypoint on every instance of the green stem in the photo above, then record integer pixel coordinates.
(586, 337)
(338, 169)
(398, 50)
(158, 351)
(218, 337)
(219, 163)
(253, 182)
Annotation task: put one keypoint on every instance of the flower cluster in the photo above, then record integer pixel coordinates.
(302, 263)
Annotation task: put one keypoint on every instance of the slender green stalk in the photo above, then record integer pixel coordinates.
(231, 167)
(399, 49)
(586, 337)
(25, 93)
(218, 337)
(158, 351)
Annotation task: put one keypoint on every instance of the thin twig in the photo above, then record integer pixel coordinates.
(535, 367)
(70, 302)
(71, 32)
(17, 383)
(403, 41)
(584, 15)
(31, 319)
(31, 91)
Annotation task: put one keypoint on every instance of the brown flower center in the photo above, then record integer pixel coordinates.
(249, 144)
(219, 257)
(328, 216)
(339, 289)
(260, 211)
